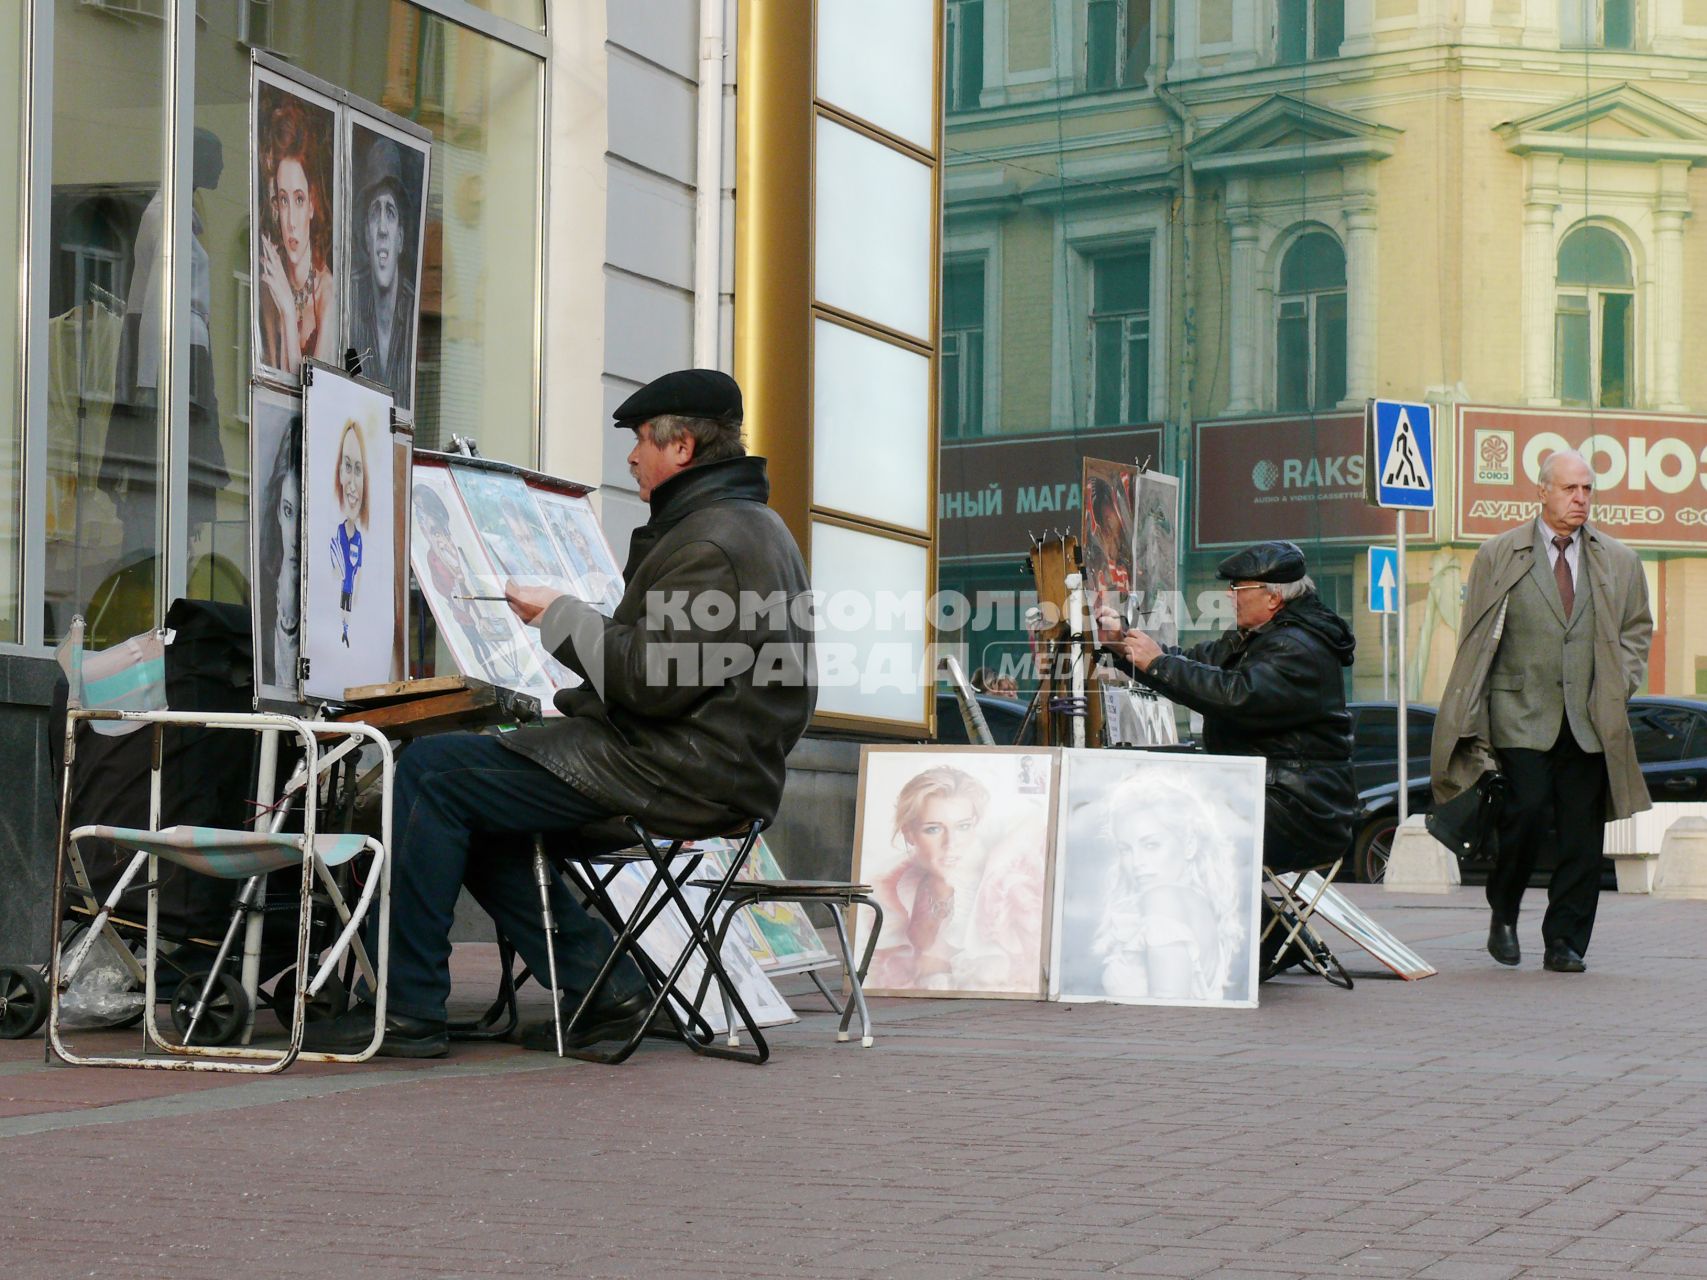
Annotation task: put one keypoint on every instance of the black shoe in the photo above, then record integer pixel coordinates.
(608, 1020)
(405, 1037)
(1562, 958)
(1502, 943)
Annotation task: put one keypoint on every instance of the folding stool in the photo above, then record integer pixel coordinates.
(1290, 909)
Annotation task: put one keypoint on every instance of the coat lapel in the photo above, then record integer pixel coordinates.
(1542, 568)
(1593, 574)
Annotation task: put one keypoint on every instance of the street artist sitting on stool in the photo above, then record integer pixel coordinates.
(1272, 687)
(685, 721)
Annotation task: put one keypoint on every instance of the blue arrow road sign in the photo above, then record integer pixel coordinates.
(1383, 580)
(1401, 454)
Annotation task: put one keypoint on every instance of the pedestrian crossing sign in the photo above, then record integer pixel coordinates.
(1399, 454)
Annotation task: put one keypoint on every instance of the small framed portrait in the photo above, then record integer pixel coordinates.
(275, 540)
(352, 552)
(384, 231)
(295, 264)
(1107, 494)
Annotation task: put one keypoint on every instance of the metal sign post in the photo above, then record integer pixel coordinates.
(1386, 658)
(1404, 693)
(1399, 466)
(1384, 598)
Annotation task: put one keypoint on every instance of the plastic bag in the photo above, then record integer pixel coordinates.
(104, 992)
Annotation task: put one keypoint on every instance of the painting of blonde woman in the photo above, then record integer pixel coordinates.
(957, 853)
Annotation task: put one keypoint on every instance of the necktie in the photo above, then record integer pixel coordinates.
(1562, 575)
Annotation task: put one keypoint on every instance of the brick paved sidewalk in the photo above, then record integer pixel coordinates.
(1485, 1123)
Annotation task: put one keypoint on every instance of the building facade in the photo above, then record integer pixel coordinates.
(1204, 233)
(580, 239)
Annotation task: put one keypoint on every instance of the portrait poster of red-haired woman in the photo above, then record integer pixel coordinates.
(294, 270)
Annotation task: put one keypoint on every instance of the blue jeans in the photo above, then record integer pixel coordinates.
(465, 810)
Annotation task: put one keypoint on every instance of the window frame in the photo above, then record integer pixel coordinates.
(1128, 318)
(955, 53)
(1594, 298)
(1593, 35)
(1311, 299)
(976, 379)
(1311, 51)
(1126, 74)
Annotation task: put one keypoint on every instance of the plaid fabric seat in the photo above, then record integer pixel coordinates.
(230, 855)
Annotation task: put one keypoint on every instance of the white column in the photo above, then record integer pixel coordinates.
(1362, 302)
(1244, 324)
(1540, 268)
(1672, 207)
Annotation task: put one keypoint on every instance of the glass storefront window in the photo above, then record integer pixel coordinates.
(103, 323)
(12, 144)
(527, 13)
(477, 367)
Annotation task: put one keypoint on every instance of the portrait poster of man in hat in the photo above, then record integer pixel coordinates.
(388, 183)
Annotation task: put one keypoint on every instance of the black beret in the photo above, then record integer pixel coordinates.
(1264, 562)
(687, 393)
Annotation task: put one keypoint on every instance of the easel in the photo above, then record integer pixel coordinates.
(1063, 639)
(407, 709)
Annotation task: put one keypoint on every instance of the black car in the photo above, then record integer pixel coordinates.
(1671, 745)
(1003, 715)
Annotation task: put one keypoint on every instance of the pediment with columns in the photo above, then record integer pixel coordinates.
(1288, 134)
(1619, 123)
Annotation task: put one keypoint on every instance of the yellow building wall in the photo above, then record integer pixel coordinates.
(1028, 254)
(1028, 36)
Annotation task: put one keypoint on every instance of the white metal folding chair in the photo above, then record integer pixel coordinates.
(234, 854)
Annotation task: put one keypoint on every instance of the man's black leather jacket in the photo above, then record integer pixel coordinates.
(699, 684)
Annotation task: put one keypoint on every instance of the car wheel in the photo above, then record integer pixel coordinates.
(1374, 846)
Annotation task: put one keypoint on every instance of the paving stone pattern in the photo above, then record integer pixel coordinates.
(1480, 1125)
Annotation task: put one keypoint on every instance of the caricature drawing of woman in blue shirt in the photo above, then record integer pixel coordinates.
(351, 481)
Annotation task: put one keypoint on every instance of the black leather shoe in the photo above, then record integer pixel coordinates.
(1502, 943)
(607, 1020)
(1561, 958)
(405, 1037)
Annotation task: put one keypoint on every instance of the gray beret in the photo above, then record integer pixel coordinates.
(687, 393)
(1265, 562)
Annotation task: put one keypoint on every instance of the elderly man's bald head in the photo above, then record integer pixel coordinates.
(1551, 462)
(1566, 488)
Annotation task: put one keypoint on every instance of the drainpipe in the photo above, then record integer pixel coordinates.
(1184, 132)
(708, 197)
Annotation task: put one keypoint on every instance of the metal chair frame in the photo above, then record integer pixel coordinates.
(592, 875)
(840, 897)
(303, 784)
(1291, 908)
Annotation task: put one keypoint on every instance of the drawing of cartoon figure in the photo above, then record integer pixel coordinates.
(351, 482)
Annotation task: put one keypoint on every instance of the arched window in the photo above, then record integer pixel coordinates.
(1310, 325)
(1594, 329)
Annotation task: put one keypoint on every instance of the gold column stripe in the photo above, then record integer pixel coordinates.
(773, 249)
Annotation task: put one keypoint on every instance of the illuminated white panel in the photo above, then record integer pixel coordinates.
(874, 213)
(870, 427)
(876, 60)
(871, 632)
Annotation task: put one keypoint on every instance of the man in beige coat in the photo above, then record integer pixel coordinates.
(1555, 640)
